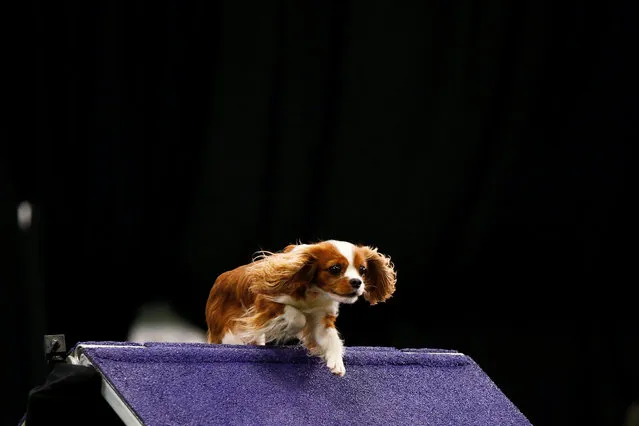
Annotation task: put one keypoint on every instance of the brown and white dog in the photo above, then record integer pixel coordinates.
(296, 293)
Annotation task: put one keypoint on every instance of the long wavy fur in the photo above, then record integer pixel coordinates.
(272, 274)
(381, 275)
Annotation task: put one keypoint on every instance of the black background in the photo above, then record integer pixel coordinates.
(486, 147)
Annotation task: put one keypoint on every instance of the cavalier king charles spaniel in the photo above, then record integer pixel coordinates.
(296, 293)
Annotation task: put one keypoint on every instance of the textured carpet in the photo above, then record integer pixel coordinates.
(201, 384)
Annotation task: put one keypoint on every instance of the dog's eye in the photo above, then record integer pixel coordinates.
(362, 270)
(335, 269)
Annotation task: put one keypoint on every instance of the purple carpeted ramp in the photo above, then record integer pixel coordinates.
(199, 384)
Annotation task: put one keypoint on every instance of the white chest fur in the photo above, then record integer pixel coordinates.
(315, 302)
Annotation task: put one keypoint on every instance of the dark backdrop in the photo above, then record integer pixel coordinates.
(485, 147)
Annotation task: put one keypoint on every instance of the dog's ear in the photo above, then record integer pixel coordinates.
(380, 276)
(273, 274)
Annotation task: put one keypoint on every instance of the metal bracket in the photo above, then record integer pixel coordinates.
(55, 348)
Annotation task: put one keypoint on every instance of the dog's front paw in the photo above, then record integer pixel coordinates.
(336, 365)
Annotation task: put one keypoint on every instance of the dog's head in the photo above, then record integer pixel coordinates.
(341, 270)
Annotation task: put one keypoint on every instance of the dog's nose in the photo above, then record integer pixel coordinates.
(355, 282)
